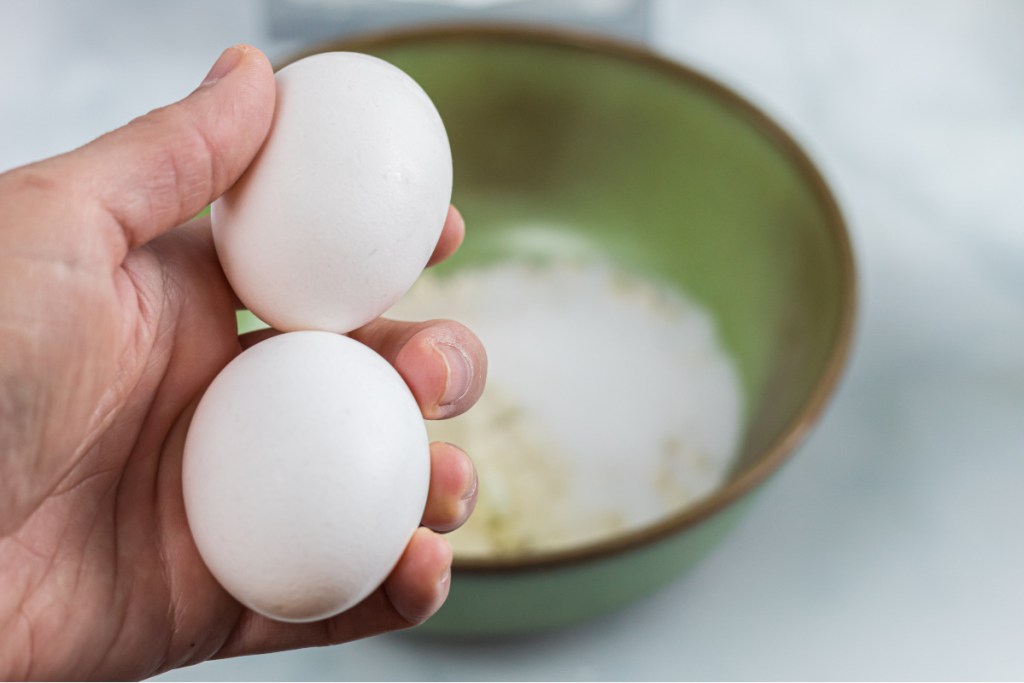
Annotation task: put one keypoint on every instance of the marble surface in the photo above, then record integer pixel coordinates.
(892, 546)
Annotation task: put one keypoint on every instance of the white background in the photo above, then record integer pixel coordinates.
(892, 545)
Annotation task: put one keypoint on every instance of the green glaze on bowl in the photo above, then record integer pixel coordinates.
(673, 176)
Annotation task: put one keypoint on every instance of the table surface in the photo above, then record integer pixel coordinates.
(892, 545)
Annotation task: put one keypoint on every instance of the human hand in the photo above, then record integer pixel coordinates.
(114, 316)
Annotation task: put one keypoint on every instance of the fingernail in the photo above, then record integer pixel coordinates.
(444, 585)
(227, 61)
(459, 375)
(469, 500)
(471, 491)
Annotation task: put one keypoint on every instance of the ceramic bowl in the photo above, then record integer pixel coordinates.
(676, 176)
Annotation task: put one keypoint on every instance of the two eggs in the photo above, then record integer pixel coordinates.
(307, 462)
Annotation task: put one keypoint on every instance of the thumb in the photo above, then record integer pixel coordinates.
(163, 168)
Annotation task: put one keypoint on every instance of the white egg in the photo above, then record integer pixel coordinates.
(345, 202)
(306, 471)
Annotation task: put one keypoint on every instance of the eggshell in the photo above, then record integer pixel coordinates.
(306, 471)
(344, 204)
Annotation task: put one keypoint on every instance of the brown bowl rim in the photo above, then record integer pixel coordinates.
(810, 412)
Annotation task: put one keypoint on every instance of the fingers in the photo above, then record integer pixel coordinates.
(452, 234)
(443, 363)
(414, 591)
(453, 487)
(163, 168)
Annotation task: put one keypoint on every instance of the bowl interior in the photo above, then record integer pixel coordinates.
(566, 146)
(667, 173)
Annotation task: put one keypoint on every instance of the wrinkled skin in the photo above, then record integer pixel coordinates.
(114, 316)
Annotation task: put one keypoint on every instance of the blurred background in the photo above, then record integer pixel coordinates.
(891, 546)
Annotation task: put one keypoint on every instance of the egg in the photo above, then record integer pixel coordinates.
(305, 474)
(345, 202)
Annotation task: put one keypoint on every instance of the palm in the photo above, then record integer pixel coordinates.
(113, 572)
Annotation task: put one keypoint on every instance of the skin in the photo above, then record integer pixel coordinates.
(114, 317)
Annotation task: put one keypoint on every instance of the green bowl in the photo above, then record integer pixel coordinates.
(672, 175)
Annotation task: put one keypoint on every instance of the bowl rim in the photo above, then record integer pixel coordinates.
(812, 408)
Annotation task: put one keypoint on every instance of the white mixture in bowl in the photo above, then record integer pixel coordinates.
(609, 403)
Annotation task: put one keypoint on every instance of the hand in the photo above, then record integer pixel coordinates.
(114, 316)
